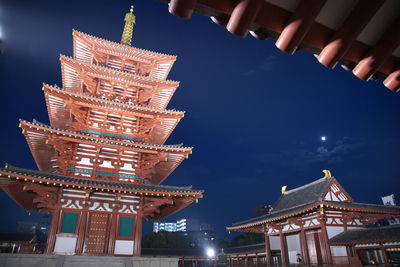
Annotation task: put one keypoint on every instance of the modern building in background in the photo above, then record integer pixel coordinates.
(181, 225)
(103, 158)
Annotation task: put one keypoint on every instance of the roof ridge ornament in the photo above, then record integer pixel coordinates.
(130, 21)
(283, 190)
(327, 173)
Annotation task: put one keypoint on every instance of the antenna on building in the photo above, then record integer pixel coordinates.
(130, 21)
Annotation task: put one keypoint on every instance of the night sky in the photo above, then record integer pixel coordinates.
(254, 115)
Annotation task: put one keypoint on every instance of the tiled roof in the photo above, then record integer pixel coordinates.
(301, 195)
(305, 198)
(277, 214)
(51, 178)
(363, 206)
(367, 235)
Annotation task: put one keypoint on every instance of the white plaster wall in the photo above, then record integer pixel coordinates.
(275, 242)
(293, 244)
(338, 251)
(334, 230)
(123, 247)
(65, 245)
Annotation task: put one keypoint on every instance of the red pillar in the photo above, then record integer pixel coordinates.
(137, 235)
(284, 249)
(304, 248)
(82, 225)
(55, 222)
(325, 244)
(385, 257)
(268, 257)
(113, 231)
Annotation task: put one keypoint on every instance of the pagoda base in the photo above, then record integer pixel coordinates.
(47, 260)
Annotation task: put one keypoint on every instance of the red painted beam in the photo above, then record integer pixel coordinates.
(299, 25)
(359, 17)
(380, 52)
(392, 82)
(182, 8)
(243, 15)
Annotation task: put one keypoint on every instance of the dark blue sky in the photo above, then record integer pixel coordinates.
(255, 115)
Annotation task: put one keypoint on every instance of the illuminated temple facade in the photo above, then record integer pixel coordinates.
(320, 224)
(102, 158)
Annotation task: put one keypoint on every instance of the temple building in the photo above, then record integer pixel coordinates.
(319, 223)
(102, 158)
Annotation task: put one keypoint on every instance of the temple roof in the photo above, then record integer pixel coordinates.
(60, 114)
(84, 42)
(306, 198)
(304, 194)
(367, 235)
(363, 36)
(66, 181)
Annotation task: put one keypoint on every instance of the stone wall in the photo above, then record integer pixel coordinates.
(47, 260)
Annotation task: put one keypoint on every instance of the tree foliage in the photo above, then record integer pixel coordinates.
(165, 239)
(247, 239)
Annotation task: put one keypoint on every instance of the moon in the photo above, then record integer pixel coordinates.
(323, 138)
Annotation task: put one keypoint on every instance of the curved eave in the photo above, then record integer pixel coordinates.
(23, 178)
(59, 114)
(125, 47)
(163, 89)
(326, 205)
(46, 157)
(365, 31)
(83, 42)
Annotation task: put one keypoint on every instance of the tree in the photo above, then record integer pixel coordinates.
(165, 239)
(247, 239)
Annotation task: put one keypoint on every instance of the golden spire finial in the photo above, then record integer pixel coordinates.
(127, 34)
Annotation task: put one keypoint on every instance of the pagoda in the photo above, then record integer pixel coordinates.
(102, 158)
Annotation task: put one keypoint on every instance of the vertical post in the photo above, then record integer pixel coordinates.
(304, 248)
(113, 229)
(82, 224)
(138, 234)
(284, 250)
(268, 258)
(325, 242)
(385, 257)
(51, 240)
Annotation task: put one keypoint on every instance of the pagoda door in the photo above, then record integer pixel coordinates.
(97, 234)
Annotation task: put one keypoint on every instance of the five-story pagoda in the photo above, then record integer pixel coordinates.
(102, 157)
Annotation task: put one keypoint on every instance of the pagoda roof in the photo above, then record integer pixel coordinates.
(59, 114)
(66, 181)
(164, 62)
(72, 82)
(306, 198)
(37, 135)
(163, 200)
(368, 235)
